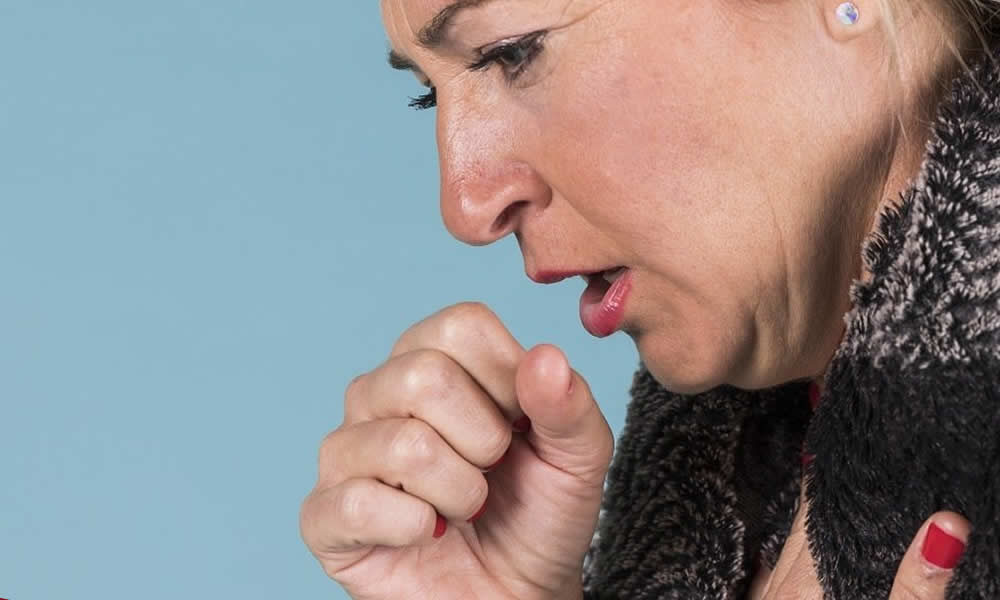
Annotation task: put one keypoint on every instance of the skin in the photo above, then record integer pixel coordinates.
(737, 188)
(730, 184)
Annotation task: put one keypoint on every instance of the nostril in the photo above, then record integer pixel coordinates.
(505, 217)
(501, 221)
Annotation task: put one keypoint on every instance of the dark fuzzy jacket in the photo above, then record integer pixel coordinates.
(703, 487)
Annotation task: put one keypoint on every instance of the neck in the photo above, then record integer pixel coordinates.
(902, 169)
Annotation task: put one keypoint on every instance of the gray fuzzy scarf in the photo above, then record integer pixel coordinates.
(704, 487)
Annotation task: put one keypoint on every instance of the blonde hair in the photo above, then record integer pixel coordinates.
(979, 16)
(967, 28)
(967, 25)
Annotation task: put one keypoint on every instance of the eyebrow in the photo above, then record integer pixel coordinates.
(434, 33)
(400, 63)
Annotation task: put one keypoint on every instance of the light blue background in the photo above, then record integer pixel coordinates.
(212, 215)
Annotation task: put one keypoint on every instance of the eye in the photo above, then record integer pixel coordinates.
(424, 101)
(513, 56)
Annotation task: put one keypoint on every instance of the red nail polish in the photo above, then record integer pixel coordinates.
(807, 459)
(523, 424)
(941, 549)
(476, 516)
(440, 527)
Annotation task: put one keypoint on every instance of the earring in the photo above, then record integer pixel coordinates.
(848, 14)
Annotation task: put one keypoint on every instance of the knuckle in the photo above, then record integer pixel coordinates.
(354, 385)
(353, 507)
(329, 448)
(428, 373)
(469, 311)
(465, 320)
(450, 327)
(353, 390)
(354, 398)
(408, 340)
(401, 344)
(413, 444)
(307, 520)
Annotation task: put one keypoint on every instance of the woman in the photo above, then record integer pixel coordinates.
(713, 168)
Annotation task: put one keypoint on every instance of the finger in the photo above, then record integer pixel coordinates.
(568, 429)
(359, 513)
(474, 337)
(409, 455)
(927, 565)
(430, 386)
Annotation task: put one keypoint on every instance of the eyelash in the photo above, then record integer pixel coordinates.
(424, 101)
(525, 50)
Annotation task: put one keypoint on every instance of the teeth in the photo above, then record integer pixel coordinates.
(613, 276)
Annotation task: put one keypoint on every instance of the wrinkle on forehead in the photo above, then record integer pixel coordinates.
(402, 28)
(412, 13)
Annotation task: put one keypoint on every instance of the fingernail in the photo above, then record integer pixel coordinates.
(807, 459)
(478, 514)
(440, 527)
(496, 464)
(521, 425)
(942, 549)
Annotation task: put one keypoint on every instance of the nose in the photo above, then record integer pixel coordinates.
(487, 189)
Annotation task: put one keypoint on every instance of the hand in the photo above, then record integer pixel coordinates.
(407, 464)
(923, 574)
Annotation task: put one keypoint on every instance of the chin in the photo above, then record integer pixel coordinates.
(682, 370)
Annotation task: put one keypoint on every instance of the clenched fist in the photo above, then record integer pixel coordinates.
(465, 468)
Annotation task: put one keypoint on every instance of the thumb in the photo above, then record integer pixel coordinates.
(928, 564)
(568, 430)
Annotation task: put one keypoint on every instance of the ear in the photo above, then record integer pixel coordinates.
(870, 16)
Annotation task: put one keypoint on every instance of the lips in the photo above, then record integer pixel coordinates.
(602, 305)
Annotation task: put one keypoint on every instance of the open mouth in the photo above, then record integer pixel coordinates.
(610, 276)
(602, 305)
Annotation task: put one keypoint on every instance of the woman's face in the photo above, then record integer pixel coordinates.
(701, 144)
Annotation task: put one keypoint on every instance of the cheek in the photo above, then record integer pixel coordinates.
(630, 149)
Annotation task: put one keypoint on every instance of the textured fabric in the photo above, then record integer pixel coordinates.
(703, 487)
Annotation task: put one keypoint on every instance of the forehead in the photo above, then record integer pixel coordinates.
(404, 18)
